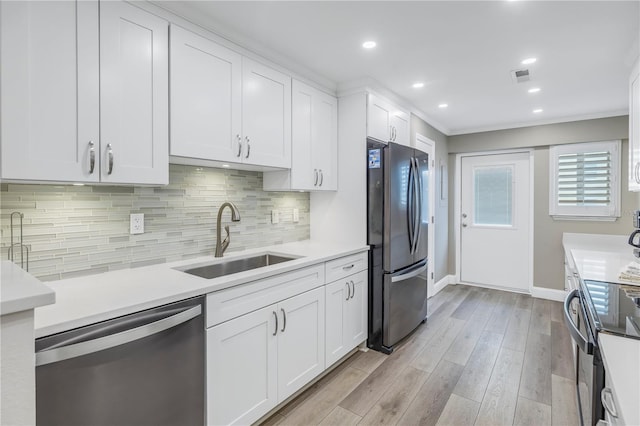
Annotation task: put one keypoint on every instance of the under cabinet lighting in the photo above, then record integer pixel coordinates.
(225, 165)
(78, 184)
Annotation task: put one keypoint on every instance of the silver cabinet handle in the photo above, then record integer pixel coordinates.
(420, 268)
(246, 138)
(239, 139)
(276, 330)
(346, 268)
(284, 320)
(611, 408)
(464, 225)
(92, 157)
(464, 215)
(315, 172)
(348, 290)
(353, 289)
(637, 172)
(110, 158)
(102, 343)
(321, 177)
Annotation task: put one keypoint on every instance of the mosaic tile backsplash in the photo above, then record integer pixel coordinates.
(82, 230)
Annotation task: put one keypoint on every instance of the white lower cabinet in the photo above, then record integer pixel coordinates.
(346, 315)
(259, 359)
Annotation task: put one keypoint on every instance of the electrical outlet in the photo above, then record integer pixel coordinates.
(275, 216)
(136, 223)
(296, 215)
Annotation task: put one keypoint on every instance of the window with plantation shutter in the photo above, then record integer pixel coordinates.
(585, 181)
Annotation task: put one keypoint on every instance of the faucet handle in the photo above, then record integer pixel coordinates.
(227, 239)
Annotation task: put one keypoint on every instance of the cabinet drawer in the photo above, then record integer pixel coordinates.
(340, 268)
(233, 302)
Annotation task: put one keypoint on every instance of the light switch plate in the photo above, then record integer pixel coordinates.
(136, 223)
(296, 215)
(275, 216)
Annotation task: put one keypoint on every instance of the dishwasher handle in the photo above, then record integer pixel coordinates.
(96, 345)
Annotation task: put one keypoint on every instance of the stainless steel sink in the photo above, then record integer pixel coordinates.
(220, 269)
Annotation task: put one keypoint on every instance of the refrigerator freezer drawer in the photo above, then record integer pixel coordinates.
(405, 304)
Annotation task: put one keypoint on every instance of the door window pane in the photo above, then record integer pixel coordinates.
(493, 195)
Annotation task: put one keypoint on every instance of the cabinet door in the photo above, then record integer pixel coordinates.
(400, 128)
(134, 95)
(300, 341)
(241, 368)
(303, 175)
(314, 139)
(336, 331)
(324, 147)
(356, 316)
(266, 116)
(206, 91)
(49, 90)
(634, 130)
(379, 119)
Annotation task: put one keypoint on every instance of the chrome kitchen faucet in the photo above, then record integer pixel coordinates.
(221, 246)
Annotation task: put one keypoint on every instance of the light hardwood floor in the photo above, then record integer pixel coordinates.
(484, 357)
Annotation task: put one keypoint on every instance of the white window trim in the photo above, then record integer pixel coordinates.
(586, 213)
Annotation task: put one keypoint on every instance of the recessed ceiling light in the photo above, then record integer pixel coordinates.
(369, 44)
(534, 90)
(537, 110)
(529, 61)
(418, 85)
(443, 106)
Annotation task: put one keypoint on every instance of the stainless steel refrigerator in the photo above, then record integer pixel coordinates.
(397, 222)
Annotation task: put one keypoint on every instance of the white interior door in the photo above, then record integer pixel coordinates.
(425, 144)
(495, 220)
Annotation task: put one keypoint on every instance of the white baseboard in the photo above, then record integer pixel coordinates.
(548, 293)
(445, 281)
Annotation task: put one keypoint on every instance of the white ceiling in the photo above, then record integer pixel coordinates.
(462, 51)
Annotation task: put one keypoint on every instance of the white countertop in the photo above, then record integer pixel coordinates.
(94, 298)
(600, 257)
(20, 291)
(622, 365)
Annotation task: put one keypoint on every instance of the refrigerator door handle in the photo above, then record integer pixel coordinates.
(417, 203)
(410, 207)
(413, 273)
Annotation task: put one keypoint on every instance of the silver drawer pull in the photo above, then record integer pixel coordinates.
(346, 268)
(321, 177)
(315, 172)
(284, 320)
(239, 145)
(348, 291)
(248, 147)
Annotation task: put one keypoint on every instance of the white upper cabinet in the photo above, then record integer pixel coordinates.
(49, 90)
(84, 93)
(387, 122)
(634, 128)
(266, 116)
(314, 143)
(134, 95)
(226, 108)
(206, 91)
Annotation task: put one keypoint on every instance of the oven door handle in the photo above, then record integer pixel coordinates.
(583, 343)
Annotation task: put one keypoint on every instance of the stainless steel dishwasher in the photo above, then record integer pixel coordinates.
(145, 368)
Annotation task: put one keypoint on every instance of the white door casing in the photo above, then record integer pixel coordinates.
(494, 221)
(427, 145)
